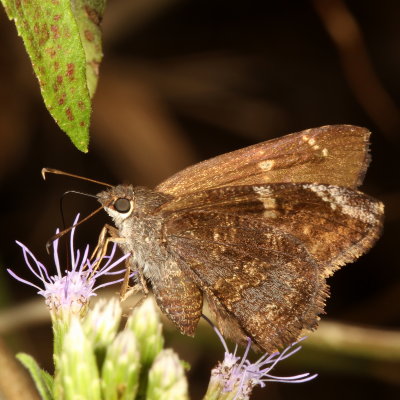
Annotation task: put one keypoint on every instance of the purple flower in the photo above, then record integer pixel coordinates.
(237, 375)
(69, 293)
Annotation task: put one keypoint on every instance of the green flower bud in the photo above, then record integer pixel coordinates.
(78, 375)
(167, 379)
(102, 322)
(121, 368)
(146, 326)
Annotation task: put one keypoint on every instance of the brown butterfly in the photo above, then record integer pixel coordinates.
(253, 233)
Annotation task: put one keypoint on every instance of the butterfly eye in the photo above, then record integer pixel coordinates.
(122, 205)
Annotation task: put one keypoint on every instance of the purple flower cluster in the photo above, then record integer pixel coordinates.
(239, 375)
(70, 290)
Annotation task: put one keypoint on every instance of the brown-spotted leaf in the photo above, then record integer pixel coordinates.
(52, 39)
(88, 15)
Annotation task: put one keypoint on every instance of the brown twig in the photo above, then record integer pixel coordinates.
(369, 343)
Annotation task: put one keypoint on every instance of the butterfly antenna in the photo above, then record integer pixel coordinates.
(58, 172)
(62, 233)
(62, 213)
(63, 197)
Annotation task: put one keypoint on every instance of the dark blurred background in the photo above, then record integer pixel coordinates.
(182, 81)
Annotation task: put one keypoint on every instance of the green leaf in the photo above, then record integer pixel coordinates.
(52, 36)
(43, 381)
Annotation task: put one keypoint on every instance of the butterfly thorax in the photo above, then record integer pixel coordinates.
(140, 226)
(136, 214)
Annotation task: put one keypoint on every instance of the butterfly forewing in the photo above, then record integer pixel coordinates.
(332, 154)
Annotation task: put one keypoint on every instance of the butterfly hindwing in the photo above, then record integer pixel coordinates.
(250, 272)
(262, 253)
(335, 224)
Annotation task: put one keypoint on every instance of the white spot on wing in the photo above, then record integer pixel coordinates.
(266, 165)
(311, 142)
(337, 197)
(262, 190)
(268, 202)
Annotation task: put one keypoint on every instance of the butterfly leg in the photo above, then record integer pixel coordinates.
(110, 234)
(126, 289)
(100, 250)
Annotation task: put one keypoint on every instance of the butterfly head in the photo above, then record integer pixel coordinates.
(119, 202)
